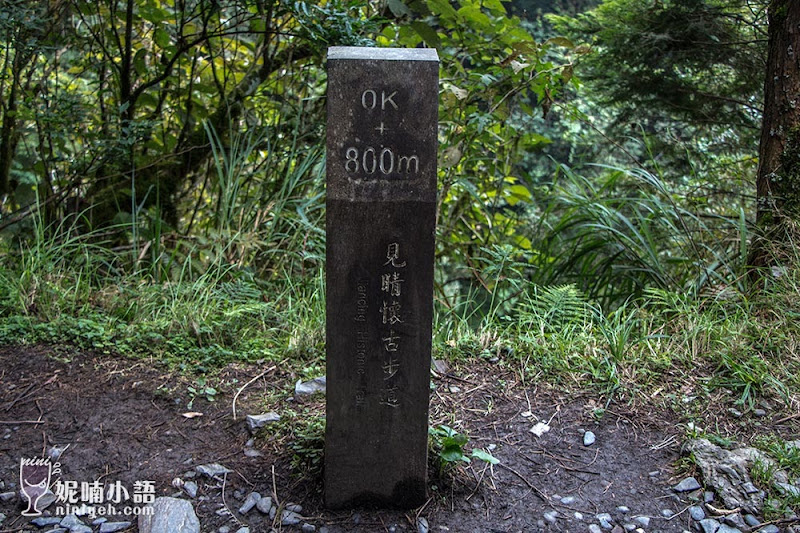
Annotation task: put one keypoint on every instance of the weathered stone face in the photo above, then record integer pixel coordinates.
(381, 204)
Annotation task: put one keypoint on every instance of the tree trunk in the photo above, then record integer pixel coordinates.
(778, 181)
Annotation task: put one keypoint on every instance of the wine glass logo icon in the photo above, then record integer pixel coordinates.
(34, 480)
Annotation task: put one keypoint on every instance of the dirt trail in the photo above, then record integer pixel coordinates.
(122, 420)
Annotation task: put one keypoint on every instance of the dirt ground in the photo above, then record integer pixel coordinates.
(123, 420)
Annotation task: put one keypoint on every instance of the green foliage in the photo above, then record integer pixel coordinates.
(202, 389)
(783, 457)
(492, 69)
(163, 195)
(623, 231)
(697, 61)
(308, 446)
(786, 455)
(448, 445)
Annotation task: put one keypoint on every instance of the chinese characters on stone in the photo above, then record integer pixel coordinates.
(391, 316)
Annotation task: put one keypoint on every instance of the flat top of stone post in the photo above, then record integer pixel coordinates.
(383, 54)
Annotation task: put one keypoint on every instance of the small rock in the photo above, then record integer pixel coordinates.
(751, 520)
(250, 502)
(255, 422)
(169, 515)
(749, 488)
(440, 367)
(709, 525)
(589, 438)
(666, 513)
(454, 388)
(578, 515)
(759, 412)
(724, 528)
(191, 488)
(238, 494)
(308, 528)
(2, 518)
(422, 525)
(55, 452)
(623, 509)
(551, 516)
(310, 387)
(295, 508)
(42, 521)
(264, 505)
(734, 520)
(290, 518)
(708, 496)
(244, 529)
(594, 528)
(788, 490)
(98, 521)
(687, 485)
(46, 500)
(629, 526)
(643, 521)
(617, 529)
(250, 452)
(7, 496)
(212, 470)
(735, 412)
(772, 528)
(71, 521)
(654, 473)
(111, 527)
(568, 500)
(697, 513)
(604, 519)
(224, 529)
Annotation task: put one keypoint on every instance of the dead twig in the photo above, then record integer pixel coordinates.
(787, 418)
(235, 396)
(538, 492)
(720, 512)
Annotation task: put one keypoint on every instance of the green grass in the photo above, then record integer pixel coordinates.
(201, 322)
(199, 304)
(784, 461)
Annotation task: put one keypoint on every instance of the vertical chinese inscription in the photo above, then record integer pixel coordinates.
(391, 312)
(381, 201)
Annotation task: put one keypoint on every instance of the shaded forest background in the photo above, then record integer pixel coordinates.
(162, 181)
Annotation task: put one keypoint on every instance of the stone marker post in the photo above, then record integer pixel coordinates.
(381, 205)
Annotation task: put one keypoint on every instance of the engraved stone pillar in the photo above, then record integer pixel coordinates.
(381, 204)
